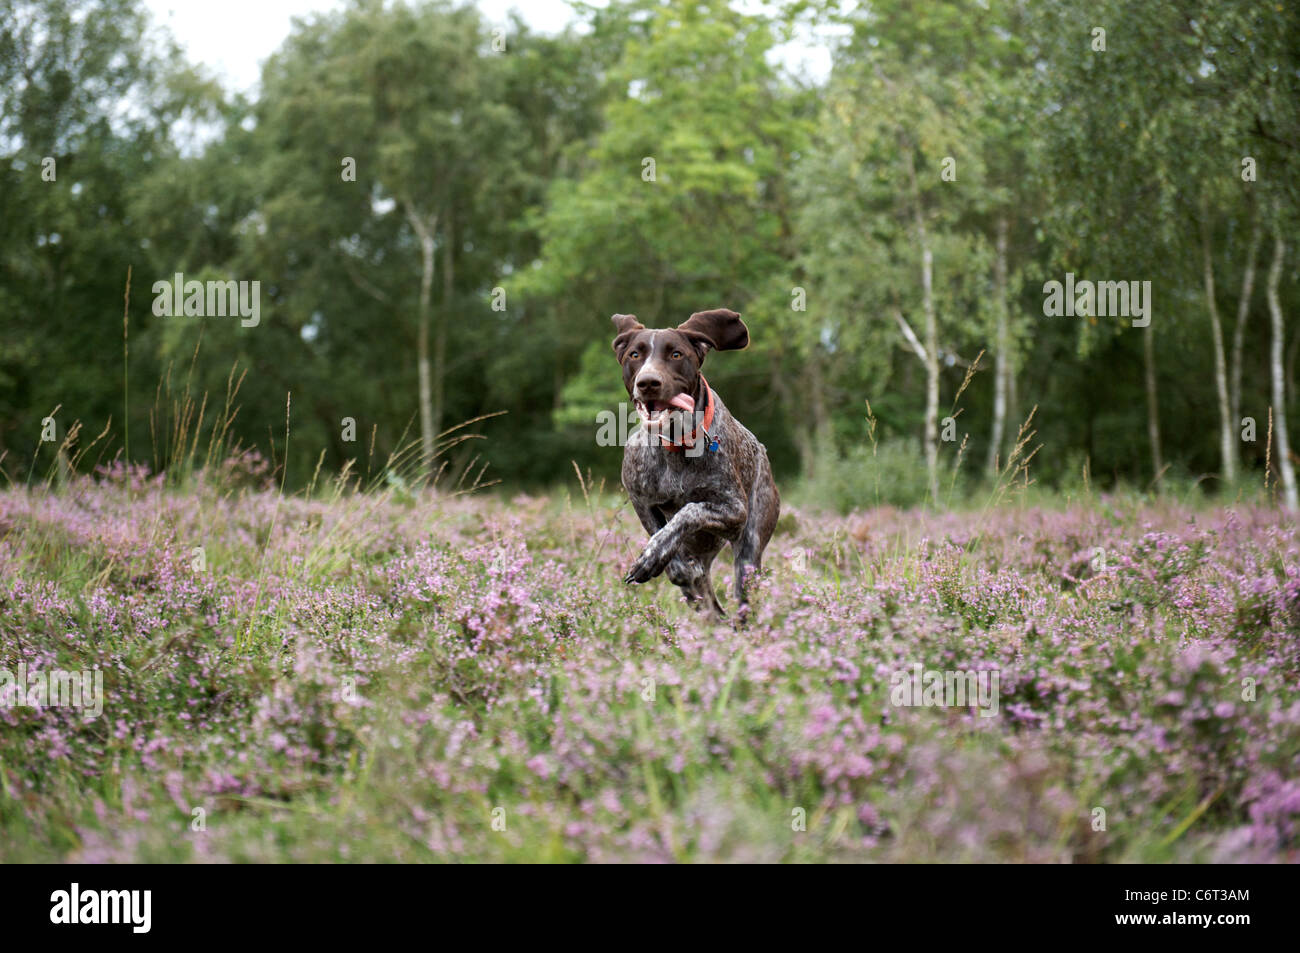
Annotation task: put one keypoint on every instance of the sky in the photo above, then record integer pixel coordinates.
(233, 37)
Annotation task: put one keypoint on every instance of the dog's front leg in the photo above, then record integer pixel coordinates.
(650, 516)
(722, 519)
(656, 556)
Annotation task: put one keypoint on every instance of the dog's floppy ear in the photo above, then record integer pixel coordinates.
(720, 329)
(626, 325)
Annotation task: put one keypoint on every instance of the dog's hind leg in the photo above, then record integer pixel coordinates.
(690, 573)
(747, 549)
(748, 559)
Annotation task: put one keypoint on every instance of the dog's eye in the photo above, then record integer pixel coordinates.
(633, 354)
(677, 355)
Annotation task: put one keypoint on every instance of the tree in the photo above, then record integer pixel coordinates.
(1276, 378)
(72, 161)
(415, 96)
(891, 193)
(1158, 122)
(681, 202)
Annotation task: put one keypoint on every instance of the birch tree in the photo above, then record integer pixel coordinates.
(415, 97)
(1277, 378)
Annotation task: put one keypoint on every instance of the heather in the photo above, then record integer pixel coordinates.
(432, 677)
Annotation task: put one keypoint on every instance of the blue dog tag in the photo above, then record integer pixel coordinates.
(713, 447)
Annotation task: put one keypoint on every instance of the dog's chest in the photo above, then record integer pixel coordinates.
(660, 477)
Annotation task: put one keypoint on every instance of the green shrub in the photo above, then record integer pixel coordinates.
(893, 475)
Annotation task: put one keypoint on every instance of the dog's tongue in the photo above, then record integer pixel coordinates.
(685, 401)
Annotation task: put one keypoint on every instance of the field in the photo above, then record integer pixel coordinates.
(389, 677)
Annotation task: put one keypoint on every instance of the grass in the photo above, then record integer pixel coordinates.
(414, 675)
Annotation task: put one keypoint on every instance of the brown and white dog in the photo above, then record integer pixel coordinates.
(696, 477)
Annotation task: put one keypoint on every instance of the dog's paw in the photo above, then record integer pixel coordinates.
(648, 565)
(742, 615)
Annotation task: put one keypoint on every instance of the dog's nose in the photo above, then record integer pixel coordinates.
(649, 386)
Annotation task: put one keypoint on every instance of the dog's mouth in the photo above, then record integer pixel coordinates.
(655, 412)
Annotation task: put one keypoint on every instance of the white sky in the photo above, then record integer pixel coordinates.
(233, 37)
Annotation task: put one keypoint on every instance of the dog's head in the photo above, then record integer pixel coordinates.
(661, 366)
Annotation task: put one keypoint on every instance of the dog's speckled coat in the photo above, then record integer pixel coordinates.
(693, 501)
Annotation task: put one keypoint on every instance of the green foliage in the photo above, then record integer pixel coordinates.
(792, 202)
(892, 475)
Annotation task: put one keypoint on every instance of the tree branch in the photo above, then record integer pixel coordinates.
(357, 279)
(908, 333)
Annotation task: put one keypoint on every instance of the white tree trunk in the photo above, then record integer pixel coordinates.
(1002, 360)
(931, 368)
(1227, 445)
(931, 346)
(1243, 313)
(424, 231)
(1275, 373)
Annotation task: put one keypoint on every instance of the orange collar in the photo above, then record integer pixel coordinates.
(688, 440)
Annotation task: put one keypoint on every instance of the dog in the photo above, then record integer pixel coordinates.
(696, 477)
